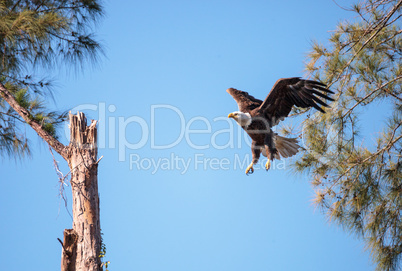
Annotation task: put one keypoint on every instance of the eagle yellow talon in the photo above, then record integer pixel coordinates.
(268, 164)
(250, 169)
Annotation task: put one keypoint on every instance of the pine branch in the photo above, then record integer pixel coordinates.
(384, 21)
(385, 148)
(361, 187)
(12, 116)
(15, 5)
(24, 113)
(371, 93)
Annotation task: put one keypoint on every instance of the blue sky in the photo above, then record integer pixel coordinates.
(175, 59)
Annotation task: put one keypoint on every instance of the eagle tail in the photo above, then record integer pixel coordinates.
(287, 147)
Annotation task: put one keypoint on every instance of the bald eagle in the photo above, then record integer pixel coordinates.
(257, 117)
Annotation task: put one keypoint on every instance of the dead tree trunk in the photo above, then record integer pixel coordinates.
(82, 244)
(82, 160)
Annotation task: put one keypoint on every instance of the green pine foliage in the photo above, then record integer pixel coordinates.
(38, 35)
(358, 180)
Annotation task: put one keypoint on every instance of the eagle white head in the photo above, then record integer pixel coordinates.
(243, 119)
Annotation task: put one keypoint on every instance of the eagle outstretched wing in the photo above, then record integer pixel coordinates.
(288, 92)
(245, 101)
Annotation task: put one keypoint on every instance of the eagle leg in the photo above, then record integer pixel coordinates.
(250, 169)
(270, 149)
(268, 164)
(269, 156)
(255, 151)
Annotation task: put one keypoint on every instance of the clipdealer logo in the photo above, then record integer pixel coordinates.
(112, 134)
(198, 161)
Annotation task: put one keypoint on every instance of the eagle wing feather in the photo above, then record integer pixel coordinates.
(245, 101)
(289, 92)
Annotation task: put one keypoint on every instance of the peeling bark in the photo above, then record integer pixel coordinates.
(82, 161)
(68, 256)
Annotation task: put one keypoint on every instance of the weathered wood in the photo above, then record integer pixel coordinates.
(69, 252)
(82, 160)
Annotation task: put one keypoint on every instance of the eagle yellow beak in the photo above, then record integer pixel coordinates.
(231, 115)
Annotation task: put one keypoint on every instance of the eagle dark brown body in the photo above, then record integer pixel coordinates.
(258, 117)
